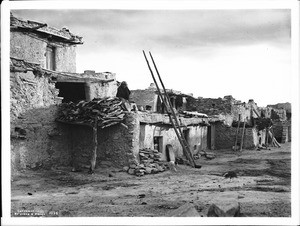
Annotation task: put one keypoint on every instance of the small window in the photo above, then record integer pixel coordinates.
(50, 58)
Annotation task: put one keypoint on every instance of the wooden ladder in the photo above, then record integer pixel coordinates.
(171, 113)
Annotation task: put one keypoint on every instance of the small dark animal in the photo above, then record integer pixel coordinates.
(230, 174)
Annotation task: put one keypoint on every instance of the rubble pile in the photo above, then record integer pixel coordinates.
(107, 112)
(150, 163)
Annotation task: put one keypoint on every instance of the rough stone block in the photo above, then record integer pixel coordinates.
(229, 208)
(186, 210)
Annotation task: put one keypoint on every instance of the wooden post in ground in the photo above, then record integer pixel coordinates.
(243, 132)
(267, 137)
(237, 133)
(94, 153)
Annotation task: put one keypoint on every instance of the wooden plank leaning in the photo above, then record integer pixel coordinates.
(237, 133)
(95, 145)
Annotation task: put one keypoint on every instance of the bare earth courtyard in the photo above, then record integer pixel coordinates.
(263, 188)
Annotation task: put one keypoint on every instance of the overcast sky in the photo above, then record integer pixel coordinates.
(210, 53)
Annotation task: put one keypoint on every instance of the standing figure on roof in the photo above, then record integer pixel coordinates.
(123, 91)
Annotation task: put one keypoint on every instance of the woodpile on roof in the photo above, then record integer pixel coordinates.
(106, 111)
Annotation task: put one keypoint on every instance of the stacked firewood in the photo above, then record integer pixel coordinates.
(106, 111)
(150, 163)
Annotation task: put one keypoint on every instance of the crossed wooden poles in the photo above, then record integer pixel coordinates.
(170, 111)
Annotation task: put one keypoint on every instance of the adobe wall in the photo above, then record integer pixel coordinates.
(28, 91)
(115, 144)
(31, 49)
(25, 47)
(101, 90)
(210, 106)
(65, 58)
(275, 114)
(225, 137)
(144, 97)
(282, 131)
(197, 136)
(35, 140)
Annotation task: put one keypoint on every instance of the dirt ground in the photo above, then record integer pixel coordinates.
(263, 188)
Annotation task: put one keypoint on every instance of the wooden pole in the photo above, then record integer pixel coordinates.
(267, 137)
(274, 141)
(95, 139)
(237, 133)
(182, 139)
(177, 130)
(242, 139)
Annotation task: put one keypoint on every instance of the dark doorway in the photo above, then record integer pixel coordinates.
(170, 154)
(186, 134)
(211, 133)
(209, 137)
(71, 91)
(158, 143)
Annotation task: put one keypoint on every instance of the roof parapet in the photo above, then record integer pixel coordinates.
(63, 35)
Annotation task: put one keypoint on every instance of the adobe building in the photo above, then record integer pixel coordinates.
(43, 80)
(148, 99)
(42, 76)
(228, 111)
(223, 115)
(281, 116)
